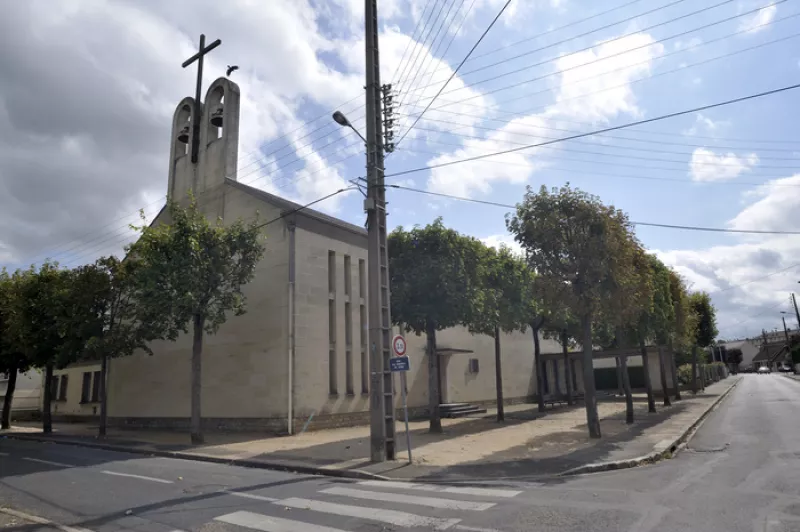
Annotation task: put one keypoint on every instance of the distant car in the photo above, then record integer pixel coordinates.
(763, 369)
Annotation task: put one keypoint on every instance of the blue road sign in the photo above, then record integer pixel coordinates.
(399, 364)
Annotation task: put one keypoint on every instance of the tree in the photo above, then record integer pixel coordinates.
(12, 357)
(735, 357)
(706, 328)
(123, 325)
(571, 239)
(191, 273)
(503, 304)
(39, 319)
(435, 284)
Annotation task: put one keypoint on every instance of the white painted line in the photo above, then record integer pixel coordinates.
(3, 454)
(272, 524)
(393, 517)
(249, 496)
(431, 502)
(42, 521)
(480, 492)
(48, 462)
(140, 477)
(474, 528)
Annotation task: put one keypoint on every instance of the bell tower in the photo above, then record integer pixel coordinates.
(218, 144)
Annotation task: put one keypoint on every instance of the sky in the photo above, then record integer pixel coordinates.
(88, 89)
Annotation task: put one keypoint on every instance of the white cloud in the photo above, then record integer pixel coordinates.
(758, 20)
(744, 276)
(504, 240)
(706, 165)
(704, 124)
(603, 97)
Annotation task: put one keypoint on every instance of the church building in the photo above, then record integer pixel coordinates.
(301, 348)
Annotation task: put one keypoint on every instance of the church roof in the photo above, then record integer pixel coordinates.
(286, 205)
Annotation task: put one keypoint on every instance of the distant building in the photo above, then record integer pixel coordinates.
(27, 393)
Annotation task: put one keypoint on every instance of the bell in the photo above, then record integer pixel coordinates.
(183, 136)
(216, 117)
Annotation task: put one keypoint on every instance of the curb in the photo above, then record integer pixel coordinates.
(242, 462)
(654, 456)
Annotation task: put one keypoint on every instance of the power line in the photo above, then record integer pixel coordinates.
(486, 31)
(604, 58)
(408, 44)
(594, 172)
(563, 41)
(600, 131)
(421, 48)
(647, 224)
(307, 205)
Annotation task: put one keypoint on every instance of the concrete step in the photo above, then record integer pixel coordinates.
(453, 410)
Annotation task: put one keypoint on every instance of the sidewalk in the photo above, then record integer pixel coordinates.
(528, 445)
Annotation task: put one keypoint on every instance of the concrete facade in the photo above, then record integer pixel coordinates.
(75, 391)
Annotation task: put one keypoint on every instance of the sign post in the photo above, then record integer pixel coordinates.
(401, 364)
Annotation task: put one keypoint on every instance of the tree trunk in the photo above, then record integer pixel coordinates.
(5, 421)
(498, 374)
(197, 375)
(694, 370)
(565, 350)
(47, 399)
(620, 389)
(626, 386)
(663, 371)
(103, 396)
(537, 362)
(648, 383)
(433, 380)
(673, 364)
(590, 401)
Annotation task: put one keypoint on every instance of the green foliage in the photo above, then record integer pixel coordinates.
(123, 322)
(12, 356)
(505, 293)
(436, 277)
(734, 356)
(191, 268)
(702, 307)
(576, 243)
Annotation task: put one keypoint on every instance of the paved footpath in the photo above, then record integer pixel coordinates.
(528, 445)
(740, 472)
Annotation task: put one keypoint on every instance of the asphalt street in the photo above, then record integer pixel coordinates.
(741, 472)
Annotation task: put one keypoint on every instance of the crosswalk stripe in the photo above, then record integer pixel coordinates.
(480, 492)
(432, 502)
(393, 517)
(249, 496)
(47, 462)
(272, 524)
(140, 477)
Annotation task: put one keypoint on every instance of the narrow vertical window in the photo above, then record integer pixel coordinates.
(348, 328)
(332, 380)
(362, 324)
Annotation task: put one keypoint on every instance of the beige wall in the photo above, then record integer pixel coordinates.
(27, 393)
(70, 404)
(244, 364)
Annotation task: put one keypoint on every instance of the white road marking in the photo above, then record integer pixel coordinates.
(480, 492)
(42, 521)
(249, 496)
(48, 462)
(393, 517)
(474, 528)
(140, 477)
(272, 524)
(432, 502)
(3, 454)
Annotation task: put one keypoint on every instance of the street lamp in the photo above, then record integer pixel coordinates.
(342, 120)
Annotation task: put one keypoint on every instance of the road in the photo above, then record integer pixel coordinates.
(741, 472)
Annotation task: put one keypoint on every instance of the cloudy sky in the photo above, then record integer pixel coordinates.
(88, 88)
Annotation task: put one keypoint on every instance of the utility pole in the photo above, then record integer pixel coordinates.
(796, 313)
(381, 401)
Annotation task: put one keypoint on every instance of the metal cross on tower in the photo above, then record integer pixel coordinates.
(197, 105)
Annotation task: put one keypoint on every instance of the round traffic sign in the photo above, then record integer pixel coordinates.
(399, 346)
